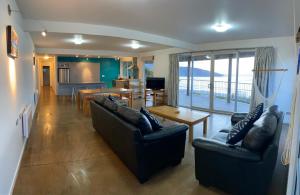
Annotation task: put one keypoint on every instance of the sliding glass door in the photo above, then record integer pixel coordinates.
(217, 81)
(201, 82)
(224, 82)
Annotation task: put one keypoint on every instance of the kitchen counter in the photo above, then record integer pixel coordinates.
(81, 83)
(67, 88)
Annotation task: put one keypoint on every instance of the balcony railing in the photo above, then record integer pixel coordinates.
(222, 89)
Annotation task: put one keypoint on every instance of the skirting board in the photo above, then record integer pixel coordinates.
(17, 169)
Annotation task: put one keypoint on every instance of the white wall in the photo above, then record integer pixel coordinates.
(285, 58)
(17, 87)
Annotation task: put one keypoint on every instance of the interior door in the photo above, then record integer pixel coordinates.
(46, 76)
(201, 85)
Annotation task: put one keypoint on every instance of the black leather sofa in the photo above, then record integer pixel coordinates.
(236, 169)
(144, 155)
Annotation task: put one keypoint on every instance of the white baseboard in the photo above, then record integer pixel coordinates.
(11, 190)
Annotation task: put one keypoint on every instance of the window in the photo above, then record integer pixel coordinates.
(148, 68)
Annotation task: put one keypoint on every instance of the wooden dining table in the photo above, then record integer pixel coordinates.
(95, 92)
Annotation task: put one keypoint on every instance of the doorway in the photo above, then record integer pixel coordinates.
(46, 76)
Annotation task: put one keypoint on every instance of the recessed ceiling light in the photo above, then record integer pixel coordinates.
(221, 27)
(44, 33)
(135, 45)
(78, 39)
(46, 57)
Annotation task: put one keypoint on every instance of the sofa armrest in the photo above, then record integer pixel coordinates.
(238, 116)
(165, 132)
(217, 147)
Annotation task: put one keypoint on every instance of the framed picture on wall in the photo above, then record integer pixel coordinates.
(12, 41)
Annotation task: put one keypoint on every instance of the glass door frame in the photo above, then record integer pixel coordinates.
(210, 106)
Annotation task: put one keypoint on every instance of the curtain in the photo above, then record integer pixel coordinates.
(173, 84)
(264, 59)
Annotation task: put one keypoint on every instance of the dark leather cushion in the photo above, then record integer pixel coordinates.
(110, 105)
(100, 100)
(274, 110)
(154, 122)
(136, 118)
(261, 133)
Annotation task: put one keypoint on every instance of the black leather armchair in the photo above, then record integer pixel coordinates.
(235, 169)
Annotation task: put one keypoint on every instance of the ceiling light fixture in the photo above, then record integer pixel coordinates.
(78, 39)
(77, 56)
(135, 45)
(46, 57)
(221, 27)
(44, 33)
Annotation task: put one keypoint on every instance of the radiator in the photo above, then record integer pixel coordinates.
(27, 121)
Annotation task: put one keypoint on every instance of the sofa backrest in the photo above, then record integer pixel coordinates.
(123, 137)
(272, 149)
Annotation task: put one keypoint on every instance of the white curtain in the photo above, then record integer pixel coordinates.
(264, 59)
(173, 84)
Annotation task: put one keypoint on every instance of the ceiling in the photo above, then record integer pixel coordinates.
(185, 20)
(94, 42)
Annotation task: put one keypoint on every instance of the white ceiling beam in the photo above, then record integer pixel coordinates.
(102, 30)
(107, 53)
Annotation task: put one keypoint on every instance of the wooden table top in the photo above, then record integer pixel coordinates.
(104, 90)
(179, 114)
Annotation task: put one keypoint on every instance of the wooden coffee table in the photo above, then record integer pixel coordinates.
(182, 115)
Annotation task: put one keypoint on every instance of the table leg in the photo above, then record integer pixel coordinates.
(205, 127)
(145, 97)
(131, 99)
(78, 100)
(191, 133)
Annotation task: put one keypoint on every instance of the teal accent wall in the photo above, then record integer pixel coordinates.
(109, 67)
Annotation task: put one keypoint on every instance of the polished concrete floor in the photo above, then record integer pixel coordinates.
(64, 155)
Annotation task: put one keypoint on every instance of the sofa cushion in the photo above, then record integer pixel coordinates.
(100, 99)
(110, 105)
(240, 129)
(136, 118)
(154, 122)
(274, 110)
(261, 133)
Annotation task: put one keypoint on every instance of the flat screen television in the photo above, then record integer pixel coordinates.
(155, 83)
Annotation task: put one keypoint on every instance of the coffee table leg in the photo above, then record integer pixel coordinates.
(205, 127)
(191, 133)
